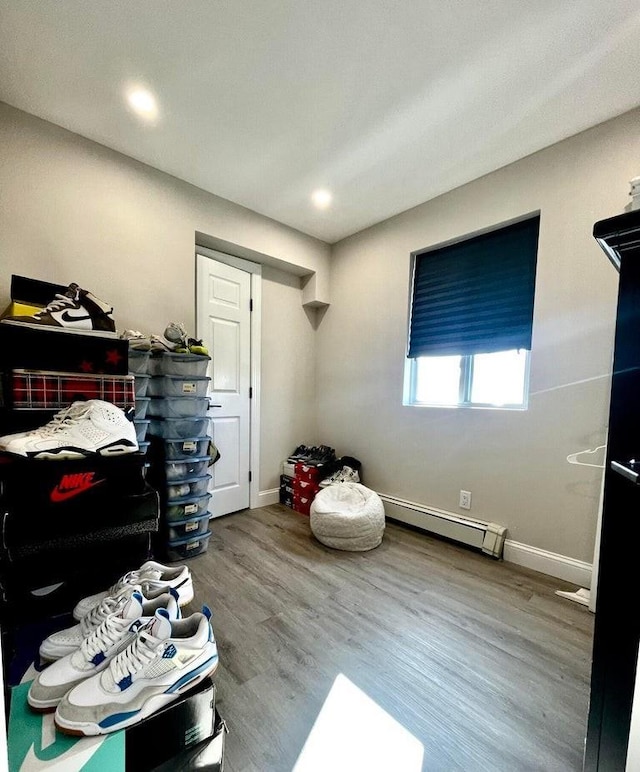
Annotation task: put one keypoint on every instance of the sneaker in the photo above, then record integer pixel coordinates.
(83, 429)
(158, 343)
(165, 659)
(137, 340)
(174, 339)
(178, 491)
(76, 311)
(151, 577)
(197, 347)
(116, 631)
(64, 642)
(298, 453)
(345, 474)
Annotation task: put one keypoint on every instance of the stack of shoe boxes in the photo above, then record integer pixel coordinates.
(62, 518)
(139, 369)
(299, 484)
(181, 432)
(302, 474)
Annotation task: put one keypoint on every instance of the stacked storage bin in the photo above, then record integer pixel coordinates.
(178, 408)
(139, 368)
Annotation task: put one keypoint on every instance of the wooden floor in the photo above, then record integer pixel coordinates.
(477, 659)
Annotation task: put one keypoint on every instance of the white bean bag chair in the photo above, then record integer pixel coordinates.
(348, 516)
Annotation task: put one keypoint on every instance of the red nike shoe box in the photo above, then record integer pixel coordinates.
(49, 390)
(38, 349)
(308, 473)
(302, 504)
(305, 488)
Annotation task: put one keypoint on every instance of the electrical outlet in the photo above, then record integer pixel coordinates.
(465, 500)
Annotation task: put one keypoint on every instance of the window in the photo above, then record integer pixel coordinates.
(471, 320)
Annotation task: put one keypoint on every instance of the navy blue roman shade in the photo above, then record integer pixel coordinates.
(476, 296)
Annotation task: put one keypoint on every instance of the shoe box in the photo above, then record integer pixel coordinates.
(68, 352)
(44, 501)
(286, 490)
(302, 503)
(182, 726)
(30, 295)
(46, 390)
(206, 756)
(48, 584)
(186, 735)
(308, 473)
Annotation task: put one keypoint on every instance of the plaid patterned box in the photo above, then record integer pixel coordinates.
(48, 390)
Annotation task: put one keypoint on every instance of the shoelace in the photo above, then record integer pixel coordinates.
(107, 606)
(105, 635)
(131, 577)
(135, 656)
(57, 304)
(65, 418)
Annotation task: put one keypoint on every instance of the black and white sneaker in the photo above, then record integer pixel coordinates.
(76, 311)
(82, 429)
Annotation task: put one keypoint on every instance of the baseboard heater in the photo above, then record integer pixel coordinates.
(488, 537)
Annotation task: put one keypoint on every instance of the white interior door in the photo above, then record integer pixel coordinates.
(224, 323)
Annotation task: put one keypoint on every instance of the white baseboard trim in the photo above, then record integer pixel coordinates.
(266, 498)
(550, 563)
(472, 532)
(461, 529)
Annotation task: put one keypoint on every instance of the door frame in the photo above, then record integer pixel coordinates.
(255, 270)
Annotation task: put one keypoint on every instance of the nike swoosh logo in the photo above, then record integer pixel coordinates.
(57, 495)
(68, 317)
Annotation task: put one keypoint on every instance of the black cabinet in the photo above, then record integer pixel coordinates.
(617, 623)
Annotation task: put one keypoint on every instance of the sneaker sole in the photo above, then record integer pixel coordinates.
(71, 330)
(155, 703)
(39, 706)
(76, 453)
(48, 657)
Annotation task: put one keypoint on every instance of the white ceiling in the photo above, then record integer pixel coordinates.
(387, 103)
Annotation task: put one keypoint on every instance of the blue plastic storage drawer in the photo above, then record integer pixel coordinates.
(192, 486)
(189, 467)
(186, 509)
(189, 529)
(181, 549)
(179, 427)
(179, 448)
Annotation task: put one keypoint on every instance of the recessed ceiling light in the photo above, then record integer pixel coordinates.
(321, 198)
(143, 103)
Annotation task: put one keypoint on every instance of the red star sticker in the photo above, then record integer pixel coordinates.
(86, 367)
(113, 356)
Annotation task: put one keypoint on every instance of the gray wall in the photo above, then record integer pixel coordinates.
(73, 210)
(513, 462)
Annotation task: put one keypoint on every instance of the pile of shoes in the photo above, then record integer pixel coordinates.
(175, 339)
(342, 470)
(130, 654)
(313, 456)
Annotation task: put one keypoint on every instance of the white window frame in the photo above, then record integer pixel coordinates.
(464, 388)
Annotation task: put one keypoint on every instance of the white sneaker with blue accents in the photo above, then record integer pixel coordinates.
(151, 576)
(166, 659)
(113, 634)
(64, 642)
